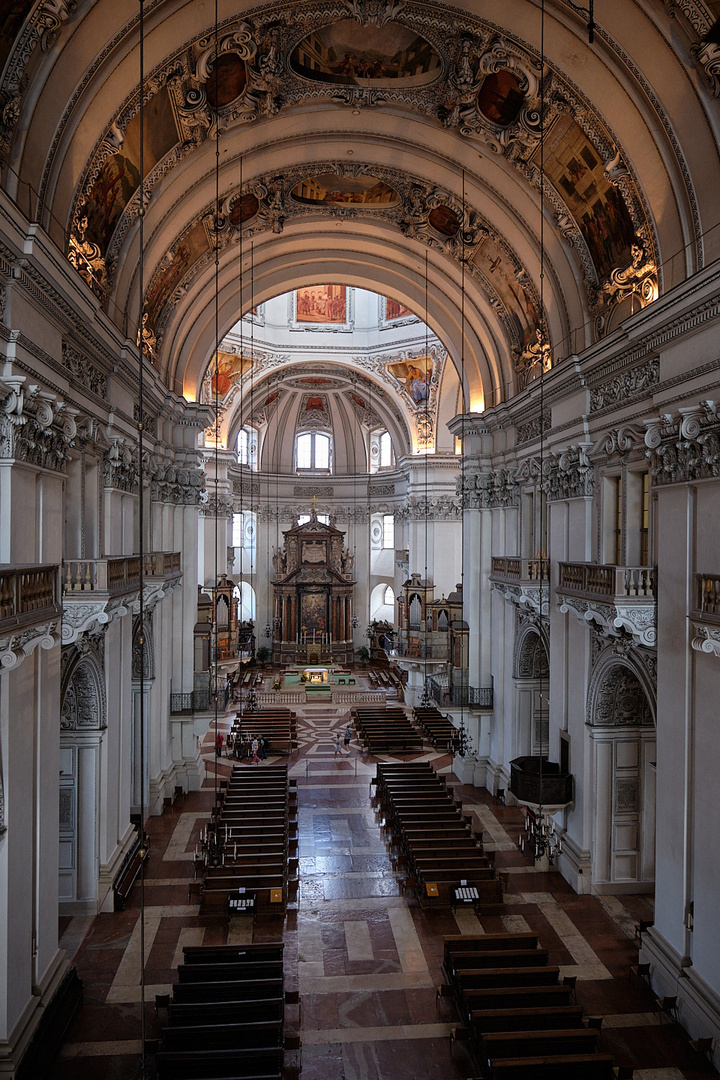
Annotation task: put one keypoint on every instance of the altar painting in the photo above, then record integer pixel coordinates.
(322, 304)
(415, 377)
(573, 165)
(313, 611)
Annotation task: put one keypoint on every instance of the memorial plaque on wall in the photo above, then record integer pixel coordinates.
(313, 552)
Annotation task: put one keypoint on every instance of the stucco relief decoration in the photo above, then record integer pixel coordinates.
(120, 466)
(143, 650)
(437, 508)
(17, 647)
(40, 30)
(531, 661)
(181, 485)
(705, 638)
(84, 706)
(684, 446)
(626, 385)
(83, 371)
(707, 56)
(314, 413)
(638, 278)
(569, 474)
(492, 93)
(621, 700)
(36, 425)
(220, 506)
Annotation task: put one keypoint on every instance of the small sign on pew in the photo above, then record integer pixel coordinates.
(431, 889)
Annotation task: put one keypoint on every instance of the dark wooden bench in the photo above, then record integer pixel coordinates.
(241, 989)
(229, 954)
(129, 871)
(253, 1063)
(505, 1044)
(555, 1067)
(559, 1016)
(254, 1033)
(511, 997)
(500, 958)
(226, 1012)
(480, 978)
(230, 972)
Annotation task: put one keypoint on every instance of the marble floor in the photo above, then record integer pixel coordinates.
(365, 960)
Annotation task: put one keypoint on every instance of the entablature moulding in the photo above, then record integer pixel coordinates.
(615, 618)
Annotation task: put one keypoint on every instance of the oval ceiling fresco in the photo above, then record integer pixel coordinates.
(359, 190)
(501, 99)
(226, 81)
(346, 53)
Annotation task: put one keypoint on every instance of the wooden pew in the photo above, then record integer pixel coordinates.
(233, 954)
(229, 971)
(254, 1033)
(506, 1044)
(485, 978)
(554, 1067)
(225, 1011)
(241, 989)
(253, 1063)
(560, 1016)
(521, 997)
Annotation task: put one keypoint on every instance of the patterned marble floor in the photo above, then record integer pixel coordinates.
(365, 960)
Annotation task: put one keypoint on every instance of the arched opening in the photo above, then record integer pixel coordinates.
(531, 677)
(382, 603)
(623, 755)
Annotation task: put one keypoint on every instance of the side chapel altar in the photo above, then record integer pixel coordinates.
(313, 590)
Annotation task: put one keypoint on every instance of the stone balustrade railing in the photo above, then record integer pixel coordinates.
(597, 581)
(28, 594)
(117, 575)
(512, 568)
(707, 596)
(101, 575)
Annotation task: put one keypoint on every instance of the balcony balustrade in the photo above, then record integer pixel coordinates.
(481, 697)
(29, 595)
(95, 591)
(705, 617)
(523, 582)
(618, 599)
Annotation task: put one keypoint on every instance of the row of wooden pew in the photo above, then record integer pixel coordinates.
(444, 858)
(520, 1020)
(226, 1015)
(386, 730)
(253, 843)
(437, 727)
(276, 725)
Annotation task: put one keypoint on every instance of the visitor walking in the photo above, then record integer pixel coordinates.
(254, 748)
(346, 740)
(338, 745)
(262, 749)
(218, 744)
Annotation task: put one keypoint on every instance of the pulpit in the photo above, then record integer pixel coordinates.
(313, 589)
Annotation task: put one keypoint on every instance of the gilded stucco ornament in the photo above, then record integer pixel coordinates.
(638, 278)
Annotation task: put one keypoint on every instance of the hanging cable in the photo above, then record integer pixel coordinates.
(214, 662)
(463, 410)
(141, 530)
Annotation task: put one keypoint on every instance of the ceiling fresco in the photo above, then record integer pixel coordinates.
(451, 71)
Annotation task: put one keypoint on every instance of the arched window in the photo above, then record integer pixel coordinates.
(389, 597)
(246, 447)
(381, 450)
(313, 451)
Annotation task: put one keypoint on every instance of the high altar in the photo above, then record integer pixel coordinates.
(313, 590)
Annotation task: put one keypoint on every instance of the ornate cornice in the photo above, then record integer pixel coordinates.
(88, 616)
(14, 648)
(705, 638)
(615, 619)
(684, 446)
